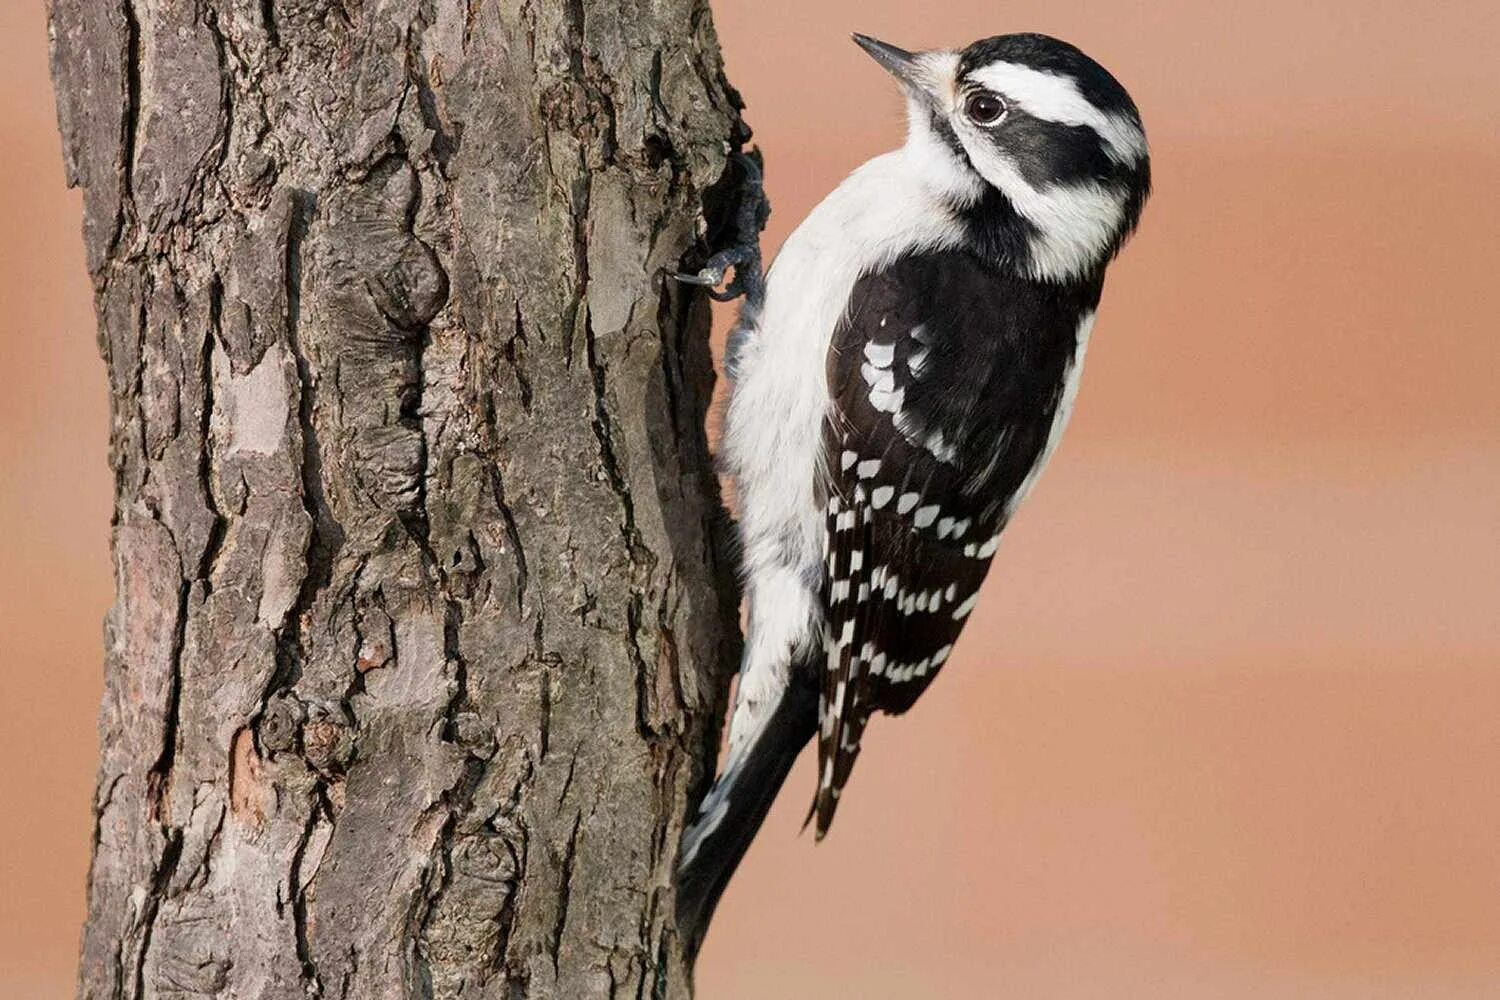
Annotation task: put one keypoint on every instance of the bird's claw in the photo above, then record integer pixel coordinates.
(709, 277)
(744, 257)
(747, 274)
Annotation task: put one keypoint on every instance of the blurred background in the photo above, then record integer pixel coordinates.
(1225, 723)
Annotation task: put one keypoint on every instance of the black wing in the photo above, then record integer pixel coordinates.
(946, 377)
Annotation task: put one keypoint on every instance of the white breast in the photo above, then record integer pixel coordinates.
(779, 397)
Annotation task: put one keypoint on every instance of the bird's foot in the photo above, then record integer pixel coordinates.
(747, 280)
(744, 256)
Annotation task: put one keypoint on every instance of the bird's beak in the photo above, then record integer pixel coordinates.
(901, 63)
(909, 67)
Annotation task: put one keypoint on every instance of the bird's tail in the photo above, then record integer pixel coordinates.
(733, 810)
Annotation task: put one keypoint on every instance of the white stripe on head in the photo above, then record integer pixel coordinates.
(1057, 98)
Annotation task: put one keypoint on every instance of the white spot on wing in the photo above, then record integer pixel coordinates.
(940, 448)
(887, 402)
(878, 379)
(963, 610)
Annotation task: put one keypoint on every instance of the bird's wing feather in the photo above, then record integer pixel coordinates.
(945, 379)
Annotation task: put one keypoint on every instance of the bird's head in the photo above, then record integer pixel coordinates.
(1038, 146)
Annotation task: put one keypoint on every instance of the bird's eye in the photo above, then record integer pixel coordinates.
(983, 108)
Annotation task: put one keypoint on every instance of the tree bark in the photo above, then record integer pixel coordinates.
(423, 629)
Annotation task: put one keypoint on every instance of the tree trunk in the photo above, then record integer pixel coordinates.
(423, 630)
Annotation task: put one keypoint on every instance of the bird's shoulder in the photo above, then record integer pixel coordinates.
(949, 370)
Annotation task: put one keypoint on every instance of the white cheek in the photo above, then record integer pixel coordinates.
(934, 161)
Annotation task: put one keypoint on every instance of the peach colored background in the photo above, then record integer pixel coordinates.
(1228, 721)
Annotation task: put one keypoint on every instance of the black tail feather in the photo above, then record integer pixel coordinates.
(752, 786)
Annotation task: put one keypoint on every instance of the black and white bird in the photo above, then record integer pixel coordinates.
(895, 396)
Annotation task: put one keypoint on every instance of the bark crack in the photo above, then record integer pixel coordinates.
(159, 779)
(130, 122)
(223, 48)
(513, 539)
(565, 892)
(321, 813)
(515, 356)
(268, 21)
(326, 535)
(206, 457)
(160, 883)
(608, 459)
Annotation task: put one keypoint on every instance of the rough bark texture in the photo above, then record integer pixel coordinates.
(422, 632)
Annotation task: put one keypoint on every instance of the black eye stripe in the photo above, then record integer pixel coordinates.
(1051, 153)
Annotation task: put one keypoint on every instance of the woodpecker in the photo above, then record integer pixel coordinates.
(895, 390)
